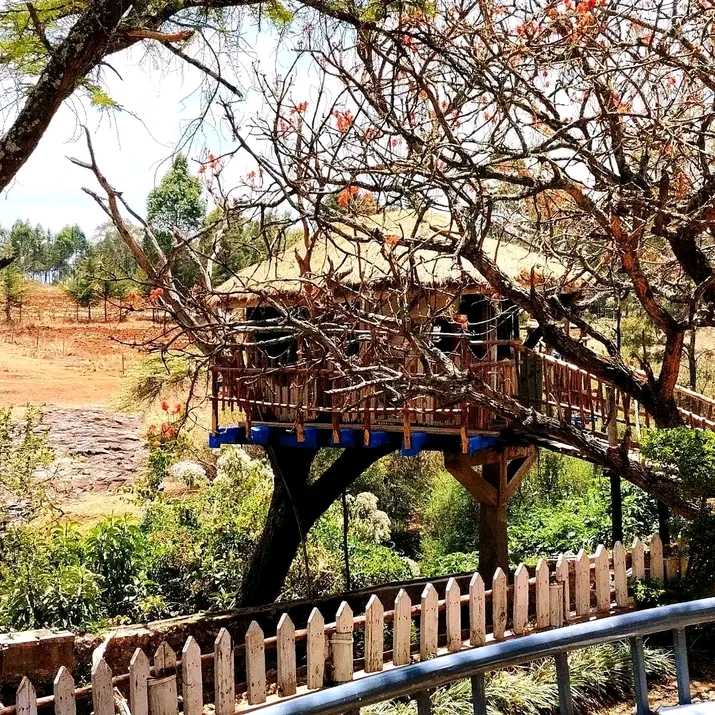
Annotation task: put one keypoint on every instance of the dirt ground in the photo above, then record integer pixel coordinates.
(702, 689)
(74, 369)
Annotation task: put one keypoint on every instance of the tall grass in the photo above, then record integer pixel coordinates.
(599, 675)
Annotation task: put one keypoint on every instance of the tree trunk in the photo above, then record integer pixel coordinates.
(692, 362)
(296, 504)
(83, 47)
(286, 523)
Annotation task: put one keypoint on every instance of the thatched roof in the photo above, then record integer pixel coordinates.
(389, 257)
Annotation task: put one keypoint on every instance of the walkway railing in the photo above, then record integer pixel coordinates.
(299, 392)
(417, 681)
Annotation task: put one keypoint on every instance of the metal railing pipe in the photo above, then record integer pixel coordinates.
(430, 674)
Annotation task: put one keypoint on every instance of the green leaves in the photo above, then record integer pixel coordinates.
(686, 454)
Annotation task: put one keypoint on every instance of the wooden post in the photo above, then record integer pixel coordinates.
(582, 584)
(255, 665)
(429, 613)
(285, 639)
(191, 680)
(562, 578)
(499, 604)
(521, 600)
(401, 627)
(63, 688)
(493, 540)
(620, 578)
(542, 594)
(214, 401)
(224, 677)
(342, 645)
(602, 579)
(102, 689)
(315, 649)
(26, 698)
(453, 615)
(138, 677)
(162, 695)
(164, 660)
(556, 605)
(477, 611)
(374, 634)
(614, 477)
(656, 559)
(638, 560)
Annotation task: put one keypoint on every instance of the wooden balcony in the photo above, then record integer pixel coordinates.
(296, 393)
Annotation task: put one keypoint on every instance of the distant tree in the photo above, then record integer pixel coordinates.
(235, 245)
(69, 245)
(31, 246)
(112, 251)
(176, 208)
(82, 285)
(14, 289)
(109, 286)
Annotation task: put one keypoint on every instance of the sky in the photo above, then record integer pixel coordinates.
(133, 146)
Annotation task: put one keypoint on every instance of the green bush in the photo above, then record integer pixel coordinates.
(564, 504)
(687, 455)
(599, 675)
(450, 519)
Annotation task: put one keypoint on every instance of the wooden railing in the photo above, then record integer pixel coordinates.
(265, 391)
(298, 660)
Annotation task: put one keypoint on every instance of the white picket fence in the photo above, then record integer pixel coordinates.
(576, 588)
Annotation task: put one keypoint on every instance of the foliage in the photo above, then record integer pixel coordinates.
(402, 486)
(648, 593)
(152, 377)
(450, 518)
(564, 504)
(436, 564)
(699, 535)
(599, 675)
(183, 555)
(177, 204)
(42, 254)
(689, 454)
(82, 285)
(23, 451)
(13, 289)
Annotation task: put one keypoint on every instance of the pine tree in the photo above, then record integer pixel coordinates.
(14, 289)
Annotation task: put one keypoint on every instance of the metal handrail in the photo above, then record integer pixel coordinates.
(419, 679)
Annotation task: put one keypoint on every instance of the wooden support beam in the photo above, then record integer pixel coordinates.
(459, 466)
(521, 471)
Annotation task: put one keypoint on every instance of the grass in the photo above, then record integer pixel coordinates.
(599, 676)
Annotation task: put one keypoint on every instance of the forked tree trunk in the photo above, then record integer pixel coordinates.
(296, 504)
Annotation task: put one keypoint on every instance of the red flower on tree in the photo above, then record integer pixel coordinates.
(343, 120)
(348, 194)
(155, 294)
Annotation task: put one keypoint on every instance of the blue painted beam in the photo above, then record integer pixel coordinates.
(418, 440)
(316, 437)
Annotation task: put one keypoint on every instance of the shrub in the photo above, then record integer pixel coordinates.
(599, 675)
(451, 517)
(23, 451)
